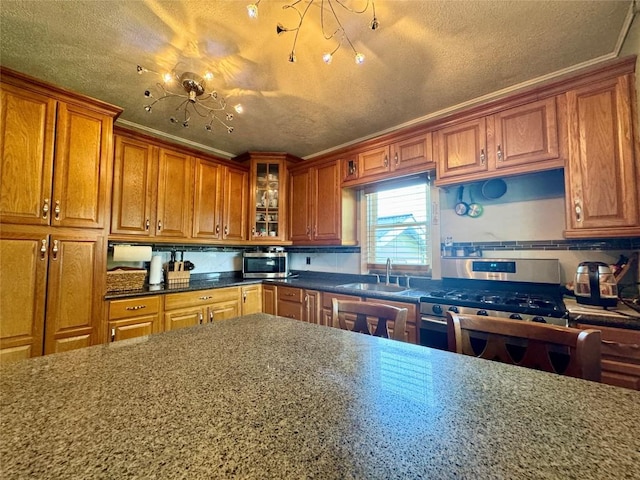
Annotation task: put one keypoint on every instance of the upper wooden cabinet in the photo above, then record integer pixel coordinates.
(152, 190)
(55, 155)
(220, 202)
(402, 156)
(602, 178)
(517, 140)
(320, 211)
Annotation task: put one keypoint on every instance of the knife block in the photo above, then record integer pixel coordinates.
(179, 277)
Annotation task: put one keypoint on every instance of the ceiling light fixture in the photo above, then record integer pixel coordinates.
(325, 6)
(192, 89)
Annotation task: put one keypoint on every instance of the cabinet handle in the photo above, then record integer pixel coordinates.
(211, 316)
(113, 334)
(43, 249)
(136, 307)
(308, 230)
(55, 249)
(386, 161)
(201, 317)
(45, 208)
(226, 231)
(396, 158)
(353, 167)
(578, 209)
(499, 153)
(206, 297)
(56, 210)
(244, 297)
(218, 228)
(482, 157)
(146, 225)
(159, 225)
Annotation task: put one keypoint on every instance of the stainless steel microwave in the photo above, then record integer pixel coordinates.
(265, 265)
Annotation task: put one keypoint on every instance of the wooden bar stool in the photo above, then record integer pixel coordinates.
(567, 351)
(344, 311)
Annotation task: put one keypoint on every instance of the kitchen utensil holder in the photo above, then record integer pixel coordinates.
(122, 279)
(180, 277)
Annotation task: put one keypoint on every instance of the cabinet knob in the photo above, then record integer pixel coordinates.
(578, 209)
(499, 153)
(159, 225)
(55, 249)
(113, 334)
(226, 230)
(146, 225)
(217, 228)
(386, 161)
(482, 157)
(200, 318)
(56, 210)
(211, 316)
(396, 158)
(45, 208)
(43, 249)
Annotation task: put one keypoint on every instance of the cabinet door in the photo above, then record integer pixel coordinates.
(207, 210)
(251, 299)
(174, 194)
(269, 299)
(23, 263)
(224, 310)
(373, 162)
(414, 153)
(311, 306)
(132, 327)
(462, 148)
(75, 288)
(326, 202)
(83, 162)
(184, 317)
(299, 208)
(236, 204)
(527, 134)
(133, 186)
(602, 178)
(27, 122)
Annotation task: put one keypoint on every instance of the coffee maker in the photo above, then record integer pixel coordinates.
(596, 285)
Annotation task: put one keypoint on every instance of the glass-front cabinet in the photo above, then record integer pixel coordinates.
(268, 204)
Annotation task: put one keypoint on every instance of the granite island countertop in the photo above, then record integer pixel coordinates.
(266, 397)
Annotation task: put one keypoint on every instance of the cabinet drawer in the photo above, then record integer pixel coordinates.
(327, 296)
(133, 307)
(290, 310)
(289, 294)
(189, 299)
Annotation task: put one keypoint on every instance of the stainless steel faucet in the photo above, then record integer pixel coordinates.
(388, 270)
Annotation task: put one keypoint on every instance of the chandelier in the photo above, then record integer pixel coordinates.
(195, 99)
(327, 7)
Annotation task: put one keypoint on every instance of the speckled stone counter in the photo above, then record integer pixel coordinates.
(619, 317)
(267, 397)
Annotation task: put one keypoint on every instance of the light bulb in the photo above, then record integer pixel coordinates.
(292, 57)
(208, 76)
(374, 25)
(167, 77)
(252, 10)
(359, 58)
(327, 57)
(147, 108)
(230, 129)
(238, 108)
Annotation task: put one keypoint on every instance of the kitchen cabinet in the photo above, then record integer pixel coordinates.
(400, 156)
(269, 299)
(251, 299)
(298, 303)
(602, 175)
(186, 309)
(522, 139)
(134, 317)
(326, 314)
(221, 201)
(56, 156)
(320, 211)
(268, 180)
(152, 190)
(52, 287)
(620, 355)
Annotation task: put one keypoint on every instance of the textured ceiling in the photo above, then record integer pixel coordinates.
(426, 57)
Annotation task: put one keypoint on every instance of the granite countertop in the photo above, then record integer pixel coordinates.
(619, 317)
(266, 397)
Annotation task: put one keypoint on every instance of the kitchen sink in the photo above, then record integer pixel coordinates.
(374, 287)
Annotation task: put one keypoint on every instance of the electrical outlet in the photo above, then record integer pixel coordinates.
(308, 260)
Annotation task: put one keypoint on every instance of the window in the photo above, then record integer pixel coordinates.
(398, 226)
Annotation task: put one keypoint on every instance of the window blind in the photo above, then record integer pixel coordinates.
(398, 225)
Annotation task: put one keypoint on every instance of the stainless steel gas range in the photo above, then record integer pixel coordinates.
(522, 289)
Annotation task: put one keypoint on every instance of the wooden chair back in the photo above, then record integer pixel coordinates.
(363, 310)
(567, 351)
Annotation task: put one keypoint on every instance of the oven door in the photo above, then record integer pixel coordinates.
(433, 332)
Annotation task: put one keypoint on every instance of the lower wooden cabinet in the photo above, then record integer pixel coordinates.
(251, 299)
(299, 304)
(620, 355)
(187, 309)
(134, 317)
(326, 314)
(46, 306)
(269, 299)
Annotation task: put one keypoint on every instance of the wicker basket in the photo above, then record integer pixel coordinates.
(121, 279)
